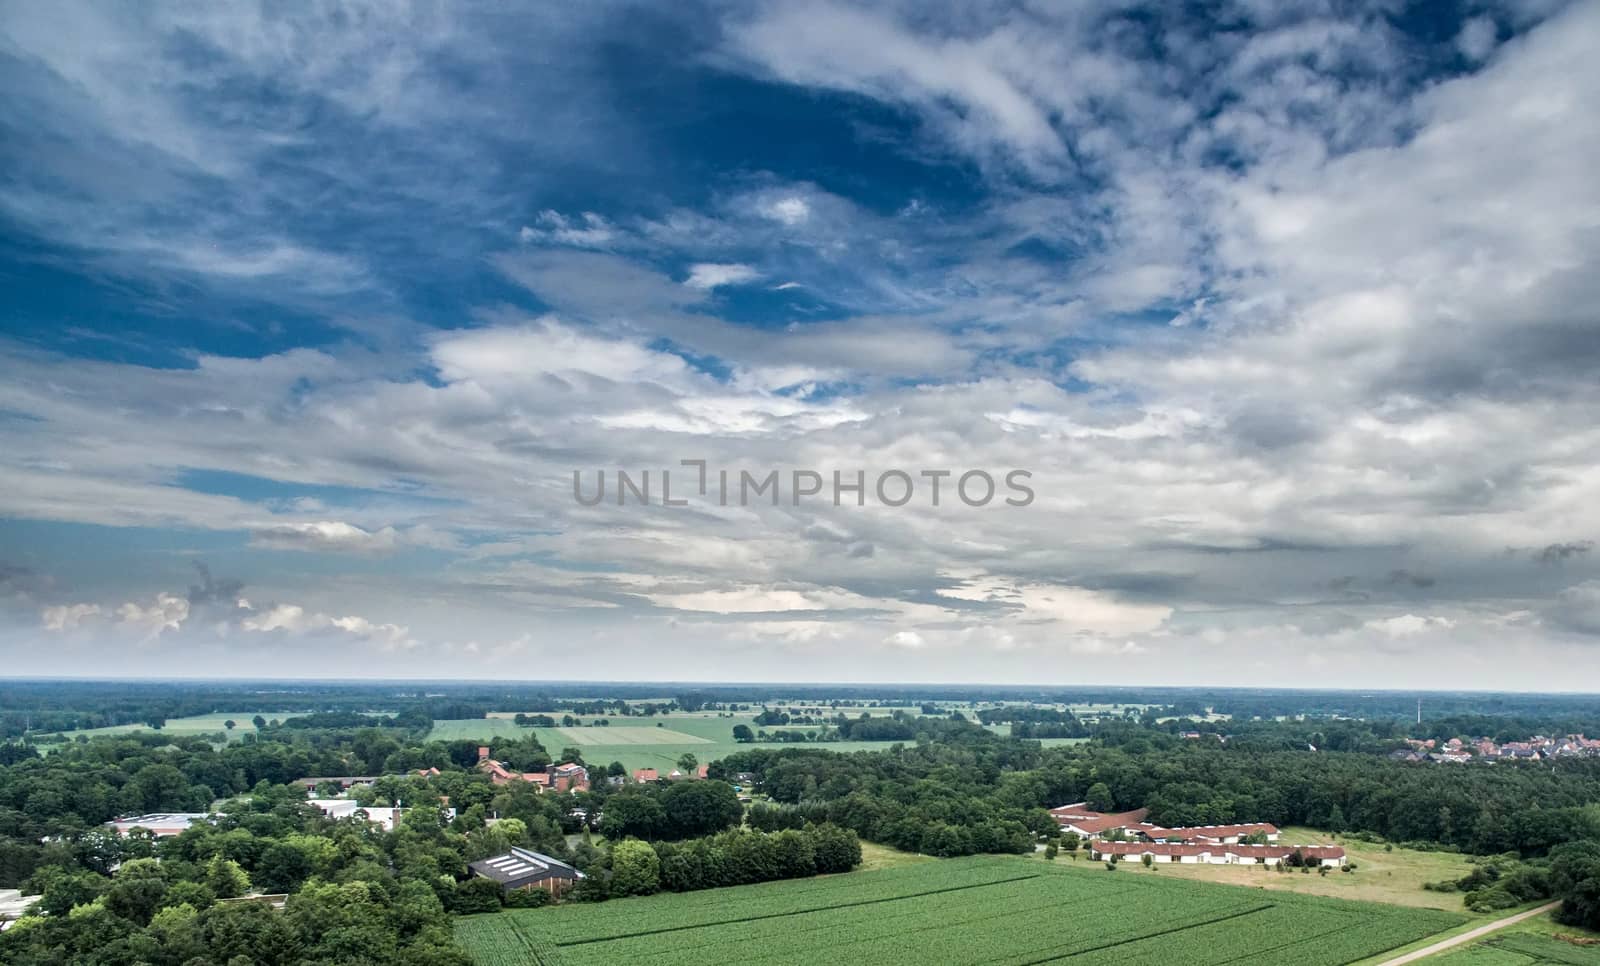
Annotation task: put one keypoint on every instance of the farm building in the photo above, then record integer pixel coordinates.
(1206, 834)
(642, 775)
(160, 824)
(1088, 824)
(1332, 856)
(526, 869)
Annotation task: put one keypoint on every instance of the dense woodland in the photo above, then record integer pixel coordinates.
(942, 785)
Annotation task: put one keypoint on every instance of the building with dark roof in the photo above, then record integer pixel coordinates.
(527, 869)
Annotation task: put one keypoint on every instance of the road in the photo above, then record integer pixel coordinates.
(1468, 936)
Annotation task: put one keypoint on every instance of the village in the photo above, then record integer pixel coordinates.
(1460, 751)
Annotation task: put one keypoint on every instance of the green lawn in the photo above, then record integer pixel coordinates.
(1001, 910)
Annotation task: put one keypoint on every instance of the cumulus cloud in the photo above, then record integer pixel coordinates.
(66, 617)
(1295, 336)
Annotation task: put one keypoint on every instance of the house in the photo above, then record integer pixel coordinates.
(568, 777)
(1087, 823)
(160, 824)
(527, 869)
(642, 775)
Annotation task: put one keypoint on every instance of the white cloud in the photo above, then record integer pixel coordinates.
(166, 613)
(1409, 625)
(709, 276)
(910, 640)
(325, 536)
(588, 230)
(67, 617)
(789, 210)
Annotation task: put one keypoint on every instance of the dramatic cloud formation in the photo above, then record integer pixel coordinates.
(1293, 327)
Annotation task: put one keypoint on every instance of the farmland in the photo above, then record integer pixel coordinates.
(193, 725)
(655, 742)
(979, 910)
(1535, 941)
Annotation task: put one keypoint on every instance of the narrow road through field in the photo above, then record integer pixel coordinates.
(1468, 936)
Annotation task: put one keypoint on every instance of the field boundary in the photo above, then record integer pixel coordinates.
(1151, 935)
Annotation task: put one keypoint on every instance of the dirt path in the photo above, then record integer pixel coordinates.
(1468, 936)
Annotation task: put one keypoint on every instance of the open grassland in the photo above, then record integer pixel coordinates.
(1003, 911)
(1393, 877)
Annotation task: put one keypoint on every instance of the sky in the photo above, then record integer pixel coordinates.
(1286, 312)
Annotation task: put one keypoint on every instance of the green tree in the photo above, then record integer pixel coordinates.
(1099, 799)
(688, 763)
(226, 878)
(743, 734)
(635, 869)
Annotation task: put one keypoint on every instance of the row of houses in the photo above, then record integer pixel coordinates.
(1463, 750)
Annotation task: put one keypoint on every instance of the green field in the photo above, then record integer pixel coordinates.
(194, 725)
(639, 742)
(1004, 911)
(1531, 943)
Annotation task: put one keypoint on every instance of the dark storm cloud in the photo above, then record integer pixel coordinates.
(1561, 552)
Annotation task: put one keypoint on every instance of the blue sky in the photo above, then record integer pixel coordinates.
(311, 314)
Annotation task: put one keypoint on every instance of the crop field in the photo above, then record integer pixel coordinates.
(1002, 911)
(1533, 944)
(584, 737)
